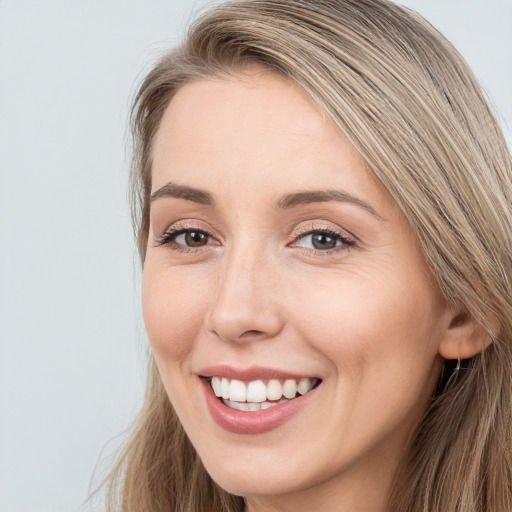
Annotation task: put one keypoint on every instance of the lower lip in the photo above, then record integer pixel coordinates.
(255, 422)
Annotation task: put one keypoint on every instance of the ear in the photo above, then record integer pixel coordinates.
(463, 337)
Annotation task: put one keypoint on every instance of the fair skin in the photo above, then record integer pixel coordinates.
(331, 287)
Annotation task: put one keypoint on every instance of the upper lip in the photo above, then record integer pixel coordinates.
(250, 374)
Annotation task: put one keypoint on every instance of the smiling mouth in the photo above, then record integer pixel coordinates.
(257, 395)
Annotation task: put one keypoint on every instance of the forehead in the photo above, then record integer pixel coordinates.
(251, 129)
(252, 100)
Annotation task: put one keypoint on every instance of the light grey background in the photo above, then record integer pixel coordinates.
(72, 347)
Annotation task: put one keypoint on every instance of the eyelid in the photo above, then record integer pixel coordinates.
(321, 227)
(167, 238)
(347, 241)
(176, 229)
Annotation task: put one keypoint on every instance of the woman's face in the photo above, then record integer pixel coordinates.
(277, 263)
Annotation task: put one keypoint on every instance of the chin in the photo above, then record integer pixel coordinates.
(251, 483)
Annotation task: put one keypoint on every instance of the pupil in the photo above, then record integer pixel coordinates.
(196, 238)
(322, 241)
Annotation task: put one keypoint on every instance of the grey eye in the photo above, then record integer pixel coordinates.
(323, 241)
(319, 241)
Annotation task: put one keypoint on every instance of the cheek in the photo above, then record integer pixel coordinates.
(378, 335)
(373, 318)
(174, 308)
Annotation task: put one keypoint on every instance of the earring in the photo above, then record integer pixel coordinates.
(457, 368)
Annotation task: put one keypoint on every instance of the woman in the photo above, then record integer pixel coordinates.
(323, 214)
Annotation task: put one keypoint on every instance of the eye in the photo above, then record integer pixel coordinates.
(319, 241)
(192, 238)
(323, 240)
(185, 238)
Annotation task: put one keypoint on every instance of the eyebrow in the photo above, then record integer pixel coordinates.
(286, 202)
(183, 192)
(322, 196)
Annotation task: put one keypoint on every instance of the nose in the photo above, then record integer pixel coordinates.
(246, 306)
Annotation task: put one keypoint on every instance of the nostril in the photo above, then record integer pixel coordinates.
(251, 334)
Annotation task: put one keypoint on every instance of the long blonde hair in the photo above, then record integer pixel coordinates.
(410, 105)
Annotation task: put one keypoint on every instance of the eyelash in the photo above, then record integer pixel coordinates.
(346, 242)
(169, 238)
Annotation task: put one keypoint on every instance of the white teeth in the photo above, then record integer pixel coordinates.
(256, 391)
(216, 385)
(253, 406)
(238, 391)
(274, 390)
(224, 388)
(243, 406)
(304, 386)
(289, 388)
